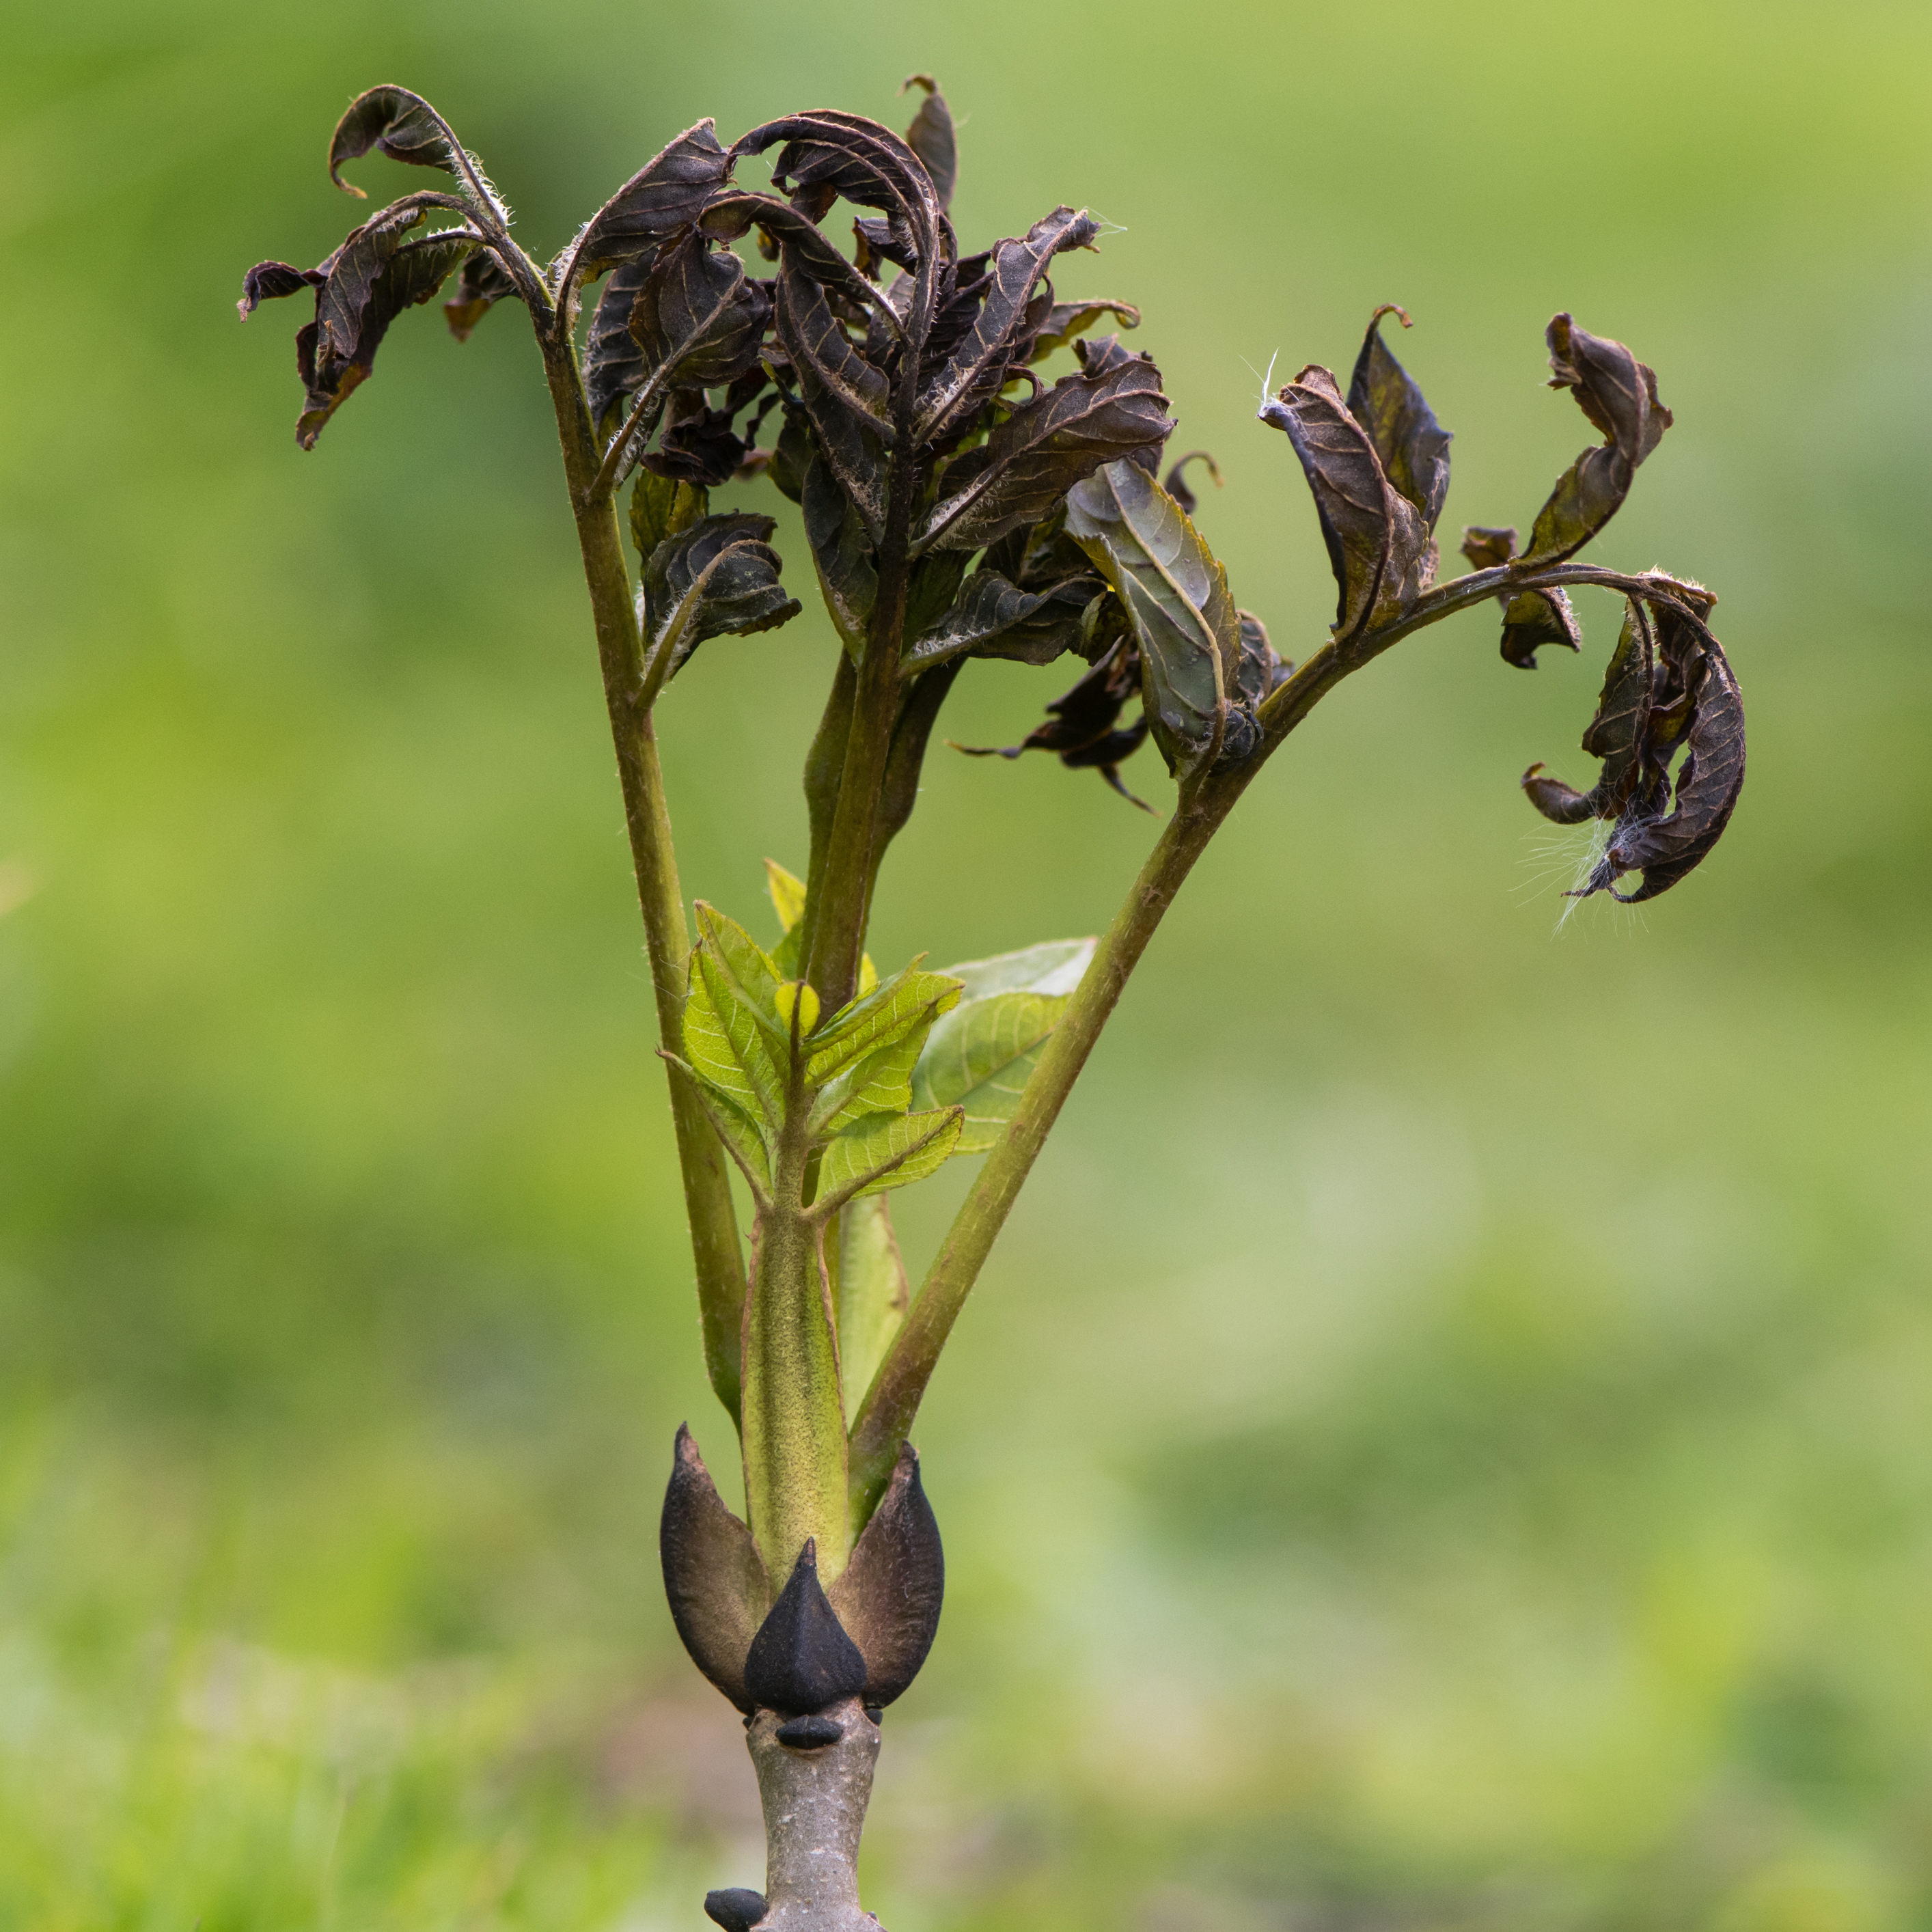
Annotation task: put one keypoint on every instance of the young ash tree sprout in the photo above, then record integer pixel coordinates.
(958, 504)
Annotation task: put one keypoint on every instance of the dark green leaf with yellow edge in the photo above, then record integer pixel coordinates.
(1175, 594)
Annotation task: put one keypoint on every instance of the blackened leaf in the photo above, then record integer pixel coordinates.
(1618, 734)
(1664, 849)
(406, 127)
(930, 137)
(613, 364)
(1043, 449)
(1175, 593)
(268, 281)
(842, 555)
(1176, 485)
(1619, 394)
(718, 576)
(698, 444)
(1065, 321)
(1261, 670)
(792, 455)
(1081, 725)
(661, 507)
(987, 606)
(1378, 548)
(802, 1659)
(484, 283)
(728, 216)
(668, 191)
(845, 397)
(375, 275)
(973, 370)
(1413, 447)
(1489, 547)
(699, 316)
(888, 1596)
(713, 1575)
(1531, 618)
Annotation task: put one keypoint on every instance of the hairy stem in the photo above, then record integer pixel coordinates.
(715, 1244)
(814, 1805)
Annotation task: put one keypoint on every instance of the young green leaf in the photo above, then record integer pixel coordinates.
(1175, 594)
(1052, 968)
(870, 1294)
(880, 1083)
(979, 1058)
(1047, 445)
(788, 894)
(747, 1136)
(886, 1150)
(906, 1004)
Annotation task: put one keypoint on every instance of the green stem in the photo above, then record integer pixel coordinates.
(885, 1416)
(715, 1244)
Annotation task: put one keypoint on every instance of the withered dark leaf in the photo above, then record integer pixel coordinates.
(930, 137)
(614, 364)
(987, 606)
(842, 555)
(1082, 723)
(1032, 459)
(698, 444)
(846, 397)
(405, 127)
(1066, 321)
(1531, 618)
(667, 193)
(1176, 485)
(727, 216)
(717, 577)
(1175, 592)
(483, 283)
(1619, 395)
(712, 1574)
(697, 316)
(1489, 547)
(888, 1596)
(1618, 734)
(376, 275)
(802, 1659)
(1378, 546)
(971, 373)
(828, 153)
(269, 281)
(1412, 446)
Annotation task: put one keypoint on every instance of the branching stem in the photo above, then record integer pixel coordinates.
(707, 1192)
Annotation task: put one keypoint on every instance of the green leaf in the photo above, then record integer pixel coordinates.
(979, 1057)
(881, 1083)
(886, 1151)
(870, 1293)
(1175, 593)
(726, 1050)
(910, 1000)
(1054, 967)
(788, 892)
(738, 1131)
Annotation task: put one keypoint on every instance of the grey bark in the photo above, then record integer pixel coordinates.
(814, 1803)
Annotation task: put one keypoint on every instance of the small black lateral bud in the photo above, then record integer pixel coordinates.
(737, 1910)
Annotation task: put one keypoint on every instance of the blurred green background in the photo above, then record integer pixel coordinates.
(1445, 1442)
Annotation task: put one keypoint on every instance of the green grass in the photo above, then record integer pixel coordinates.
(1444, 1443)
